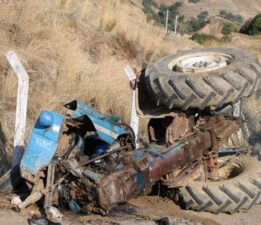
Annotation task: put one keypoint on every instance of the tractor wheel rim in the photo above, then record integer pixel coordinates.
(198, 63)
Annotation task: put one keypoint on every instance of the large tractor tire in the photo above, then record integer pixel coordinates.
(203, 78)
(240, 190)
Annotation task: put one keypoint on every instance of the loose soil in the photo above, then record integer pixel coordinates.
(143, 210)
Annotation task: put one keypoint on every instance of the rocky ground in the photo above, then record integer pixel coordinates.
(149, 210)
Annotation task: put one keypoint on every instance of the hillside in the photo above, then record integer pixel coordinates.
(76, 50)
(245, 8)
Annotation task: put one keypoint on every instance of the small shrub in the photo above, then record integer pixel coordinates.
(228, 28)
(230, 16)
(149, 3)
(192, 25)
(203, 15)
(201, 38)
(245, 28)
(151, 14)
(252, 27)
(194, 1)
(195, 24)
(173, 10)
(160, 16)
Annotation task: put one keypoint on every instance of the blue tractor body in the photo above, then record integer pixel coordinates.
(43, 142)
(105, 125)
(98, 156)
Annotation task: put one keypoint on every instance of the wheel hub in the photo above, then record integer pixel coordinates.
(200, 62)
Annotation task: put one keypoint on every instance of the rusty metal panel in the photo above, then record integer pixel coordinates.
(118, 188)
(178, 128)
(181, 155)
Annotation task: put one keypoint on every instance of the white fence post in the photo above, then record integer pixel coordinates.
(167, 21)
(176, 25)
(134, 123)
(21, 107)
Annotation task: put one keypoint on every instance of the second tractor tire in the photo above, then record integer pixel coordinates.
(206, 88)
(231, 195)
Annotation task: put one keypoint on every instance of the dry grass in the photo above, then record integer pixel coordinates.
(46, 47)
(75, 50)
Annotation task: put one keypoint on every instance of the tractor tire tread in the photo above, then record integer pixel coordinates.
(213, 88)
(232, 195)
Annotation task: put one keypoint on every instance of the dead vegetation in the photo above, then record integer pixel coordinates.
(76, 49)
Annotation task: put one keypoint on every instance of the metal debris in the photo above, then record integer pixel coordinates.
(99, 167)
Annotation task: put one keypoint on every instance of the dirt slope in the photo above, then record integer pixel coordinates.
(143, 211)
(213, 28)
(245, 8)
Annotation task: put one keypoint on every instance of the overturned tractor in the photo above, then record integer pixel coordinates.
(196, 151)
